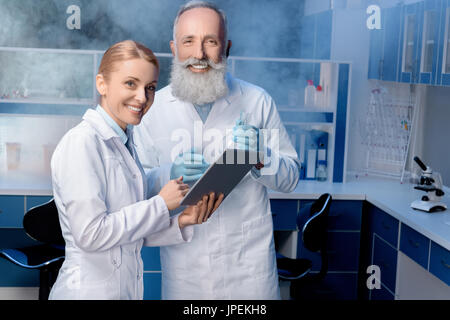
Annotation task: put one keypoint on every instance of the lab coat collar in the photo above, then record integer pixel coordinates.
(123, 135)
(104, 130)
(234, 91)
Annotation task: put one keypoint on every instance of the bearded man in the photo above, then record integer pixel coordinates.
(232, 255)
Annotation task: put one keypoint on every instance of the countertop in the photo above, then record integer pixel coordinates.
(390, 196)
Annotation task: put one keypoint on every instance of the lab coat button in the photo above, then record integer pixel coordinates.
(134, 176)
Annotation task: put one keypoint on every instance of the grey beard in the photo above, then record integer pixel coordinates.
(198, 88)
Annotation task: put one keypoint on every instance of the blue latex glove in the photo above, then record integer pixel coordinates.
(190, 165)
(245, 136)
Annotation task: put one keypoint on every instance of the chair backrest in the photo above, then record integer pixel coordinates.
(42, 224)
(314, 232)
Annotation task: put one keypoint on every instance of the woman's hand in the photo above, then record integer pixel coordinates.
(201, 211)
(173, 192)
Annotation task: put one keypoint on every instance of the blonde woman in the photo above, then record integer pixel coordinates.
(100, 188)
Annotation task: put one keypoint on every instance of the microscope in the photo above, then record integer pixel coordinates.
(431, 183)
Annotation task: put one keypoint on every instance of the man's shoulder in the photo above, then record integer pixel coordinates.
(164, 93)
(248, 87)
(250, 90)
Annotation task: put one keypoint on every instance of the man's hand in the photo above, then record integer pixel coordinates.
(190, 165)
(200, 212)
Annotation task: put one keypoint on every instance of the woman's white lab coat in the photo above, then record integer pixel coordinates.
(105, 217)
(232, 255)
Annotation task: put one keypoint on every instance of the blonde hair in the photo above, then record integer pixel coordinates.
(122, 51)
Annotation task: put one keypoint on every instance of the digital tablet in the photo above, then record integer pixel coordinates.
(223, 175)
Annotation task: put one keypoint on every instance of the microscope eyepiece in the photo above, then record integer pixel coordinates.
(420, 163)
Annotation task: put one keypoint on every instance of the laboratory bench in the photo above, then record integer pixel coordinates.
(370, 223)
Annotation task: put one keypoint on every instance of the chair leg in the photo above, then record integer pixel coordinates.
(44, 284)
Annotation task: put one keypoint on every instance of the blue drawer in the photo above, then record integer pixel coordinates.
(284, 214)
(345, 215)
(150, 257)
(440, 262)
(152, 285)
(343, 252)
(12, 210)
(33, 201)
(414, 245)
(381, 294)
(385, 257)
(343, 286)
(384, 225)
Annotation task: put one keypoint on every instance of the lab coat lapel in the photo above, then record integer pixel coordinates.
(218, 108)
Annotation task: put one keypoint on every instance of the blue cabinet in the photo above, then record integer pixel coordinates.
(428, 45)
(343, 244)
(411, 47)
(410, 36)
(384, 46)
(443, 67)
(284, 214)
(385, 257)
(315, 35)
(414, 245)
(440, 262)
(379, 245)
(12, 210)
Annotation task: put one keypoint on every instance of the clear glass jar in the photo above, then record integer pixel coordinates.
(321, 171)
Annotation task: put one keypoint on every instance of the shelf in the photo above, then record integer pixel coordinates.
(83, 102)
(306, 109)
(308, 124)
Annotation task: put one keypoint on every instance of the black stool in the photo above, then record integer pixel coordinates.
(314, 237)
(41, 223)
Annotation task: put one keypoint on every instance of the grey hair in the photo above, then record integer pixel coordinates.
(202, 4)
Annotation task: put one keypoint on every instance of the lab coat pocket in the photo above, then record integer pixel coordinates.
(258, 246)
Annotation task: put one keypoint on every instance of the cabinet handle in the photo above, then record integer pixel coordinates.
(445, 264)
(1, 211)
(380, 69)
(414, 244)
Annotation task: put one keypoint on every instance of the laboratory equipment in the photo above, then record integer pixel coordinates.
(310, 92)
(12, 155)
(319, 97)
(321, 172)
(385, 131)
(431, 183)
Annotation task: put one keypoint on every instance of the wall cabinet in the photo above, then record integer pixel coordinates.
(384, 46)
(411, 46)
(443, 68)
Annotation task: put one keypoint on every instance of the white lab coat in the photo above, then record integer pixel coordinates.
(232, 255)
(101, 195)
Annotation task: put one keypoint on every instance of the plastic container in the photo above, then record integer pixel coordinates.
(321, 171)
(319, 97)
(310, 92)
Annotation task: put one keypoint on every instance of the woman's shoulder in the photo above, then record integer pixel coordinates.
(81, 137)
